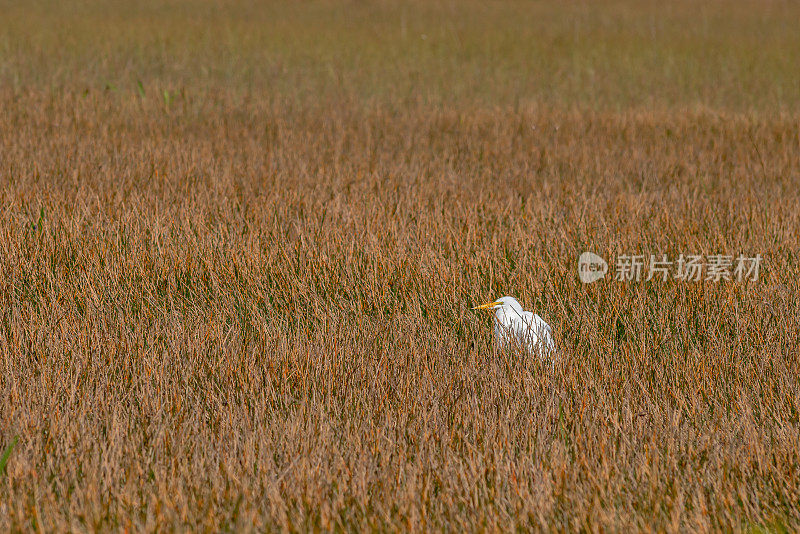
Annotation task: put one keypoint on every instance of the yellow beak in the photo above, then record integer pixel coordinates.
(487, 306)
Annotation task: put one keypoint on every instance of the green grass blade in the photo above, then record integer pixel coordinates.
(7, 454)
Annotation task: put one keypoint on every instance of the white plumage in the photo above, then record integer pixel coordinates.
(517, 327)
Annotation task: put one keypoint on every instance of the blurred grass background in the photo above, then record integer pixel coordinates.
(739, 55)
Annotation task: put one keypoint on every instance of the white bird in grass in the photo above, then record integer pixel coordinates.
(515, 326)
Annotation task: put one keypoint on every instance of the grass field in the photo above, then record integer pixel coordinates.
(239, 244)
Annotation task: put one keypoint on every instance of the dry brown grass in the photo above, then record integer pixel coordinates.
(247, 308)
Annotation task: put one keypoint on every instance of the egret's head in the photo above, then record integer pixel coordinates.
(503, 305)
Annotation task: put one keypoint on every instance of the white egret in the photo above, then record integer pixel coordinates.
(515, 326)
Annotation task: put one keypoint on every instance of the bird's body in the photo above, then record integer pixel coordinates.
(514, 326)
